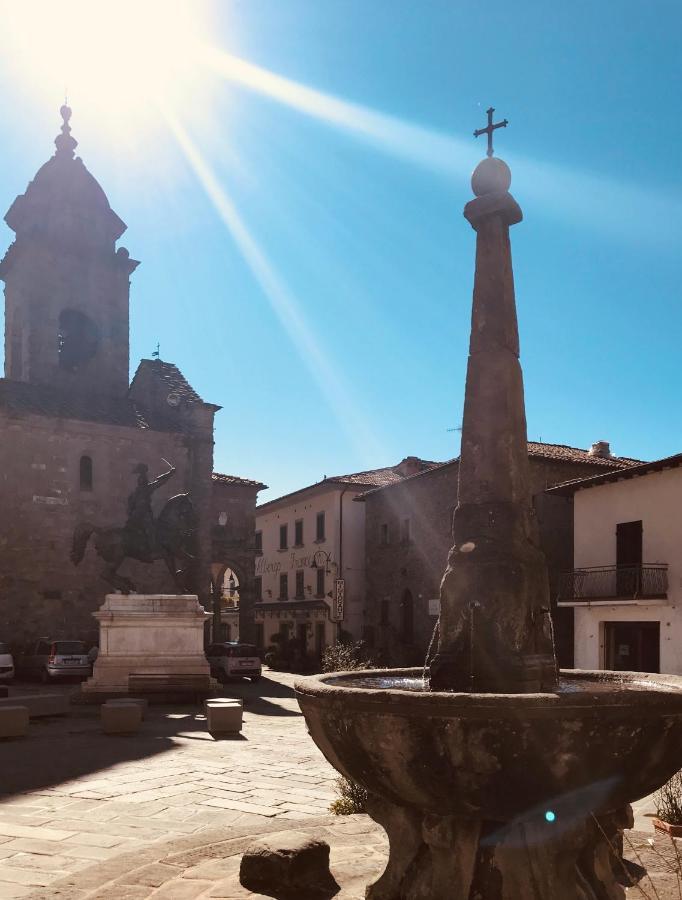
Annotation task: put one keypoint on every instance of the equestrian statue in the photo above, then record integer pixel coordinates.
(171, 537)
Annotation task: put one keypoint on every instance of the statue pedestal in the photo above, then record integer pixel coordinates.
(149, 644)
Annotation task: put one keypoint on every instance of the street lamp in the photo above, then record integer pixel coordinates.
(323, 559)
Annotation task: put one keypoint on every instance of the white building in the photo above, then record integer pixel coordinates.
(626, 588)
(310, 571)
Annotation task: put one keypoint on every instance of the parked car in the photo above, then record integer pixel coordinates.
(50, 660)
(233, 660)
(6, 663)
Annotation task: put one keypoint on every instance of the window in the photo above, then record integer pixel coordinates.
(383, 534)
(260, 636)
(258, 542)
(298, 533)
(283, 537)
(258, 588)
(300, 587)
(405, 531)
(319, 527)
(77, 340)
(320, 582)
(284, 587)
(86, 473)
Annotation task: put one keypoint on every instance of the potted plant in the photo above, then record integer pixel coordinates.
(668, 803)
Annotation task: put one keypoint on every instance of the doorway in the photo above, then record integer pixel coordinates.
(628, 559)
(302, 638)
(632, 646)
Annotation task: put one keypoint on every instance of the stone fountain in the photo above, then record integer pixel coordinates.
(499, 778)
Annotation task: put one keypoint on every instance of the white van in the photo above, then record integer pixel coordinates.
(6, 663)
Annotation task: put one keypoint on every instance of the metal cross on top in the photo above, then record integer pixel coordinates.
(490, 128)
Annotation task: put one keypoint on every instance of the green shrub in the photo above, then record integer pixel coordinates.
(668, 801)
(352, 798)
(345, 656)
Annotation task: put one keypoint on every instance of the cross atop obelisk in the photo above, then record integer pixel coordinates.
(490, 128)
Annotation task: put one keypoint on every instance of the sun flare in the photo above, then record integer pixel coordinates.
(114, 62)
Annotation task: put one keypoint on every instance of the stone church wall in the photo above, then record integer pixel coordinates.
(41, 592)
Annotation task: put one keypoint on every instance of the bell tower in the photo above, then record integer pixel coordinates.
(66, 285)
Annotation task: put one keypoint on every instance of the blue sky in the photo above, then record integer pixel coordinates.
(322, 294)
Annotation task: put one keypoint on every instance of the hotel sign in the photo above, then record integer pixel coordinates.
(339, 599)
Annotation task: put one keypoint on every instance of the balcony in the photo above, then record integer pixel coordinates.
(621, 583)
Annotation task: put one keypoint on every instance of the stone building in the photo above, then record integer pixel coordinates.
(311, 547)
(625, 584)
(72, 428)
(408, 536)
(233, 526)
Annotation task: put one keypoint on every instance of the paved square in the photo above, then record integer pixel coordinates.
(71, 796)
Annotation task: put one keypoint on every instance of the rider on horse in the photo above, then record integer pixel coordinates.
(140, 524)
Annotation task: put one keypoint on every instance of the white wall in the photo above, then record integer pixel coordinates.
(656, 499)
(306, 505)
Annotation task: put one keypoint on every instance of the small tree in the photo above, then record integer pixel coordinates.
(668, 801)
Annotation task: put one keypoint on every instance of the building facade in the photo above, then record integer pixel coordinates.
(625, 587)
(408, 537)
(72, 428)
(310, 567)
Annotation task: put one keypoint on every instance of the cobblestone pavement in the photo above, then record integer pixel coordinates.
(71, 796)
(206, 865)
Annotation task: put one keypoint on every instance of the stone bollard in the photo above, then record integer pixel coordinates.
(120, 718)
(13, 721)
(290, 865)
(223, 717)
(136, 701)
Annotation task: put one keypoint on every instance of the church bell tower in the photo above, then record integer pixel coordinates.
(66, 285)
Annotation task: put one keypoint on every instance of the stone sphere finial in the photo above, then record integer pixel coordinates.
(65, 112)
(491, 176)
(64, 142)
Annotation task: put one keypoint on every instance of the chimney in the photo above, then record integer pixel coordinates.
(600, 449)
(409, 466)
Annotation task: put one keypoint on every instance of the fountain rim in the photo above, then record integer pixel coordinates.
(666, 690)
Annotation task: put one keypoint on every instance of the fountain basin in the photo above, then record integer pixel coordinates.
(603, 740)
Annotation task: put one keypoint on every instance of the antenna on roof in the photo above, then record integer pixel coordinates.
(155, 354)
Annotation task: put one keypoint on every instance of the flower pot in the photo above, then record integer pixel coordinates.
(672, 830)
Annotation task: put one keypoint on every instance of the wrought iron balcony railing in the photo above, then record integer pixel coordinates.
(614, 582)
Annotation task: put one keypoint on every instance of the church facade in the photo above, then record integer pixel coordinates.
(73, 430)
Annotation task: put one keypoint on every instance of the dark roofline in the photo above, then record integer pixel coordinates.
(221, 478)
(624, 462)
(567, 488)
(325, 482)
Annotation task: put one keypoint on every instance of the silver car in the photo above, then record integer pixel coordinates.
(6, 663)
(50, 660)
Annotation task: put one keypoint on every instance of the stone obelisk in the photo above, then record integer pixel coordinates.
(495, 627)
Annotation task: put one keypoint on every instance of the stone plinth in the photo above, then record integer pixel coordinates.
(150, 635)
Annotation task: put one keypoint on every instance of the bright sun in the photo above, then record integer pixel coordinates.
(116, 62)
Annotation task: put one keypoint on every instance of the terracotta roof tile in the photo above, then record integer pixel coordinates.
(173, 379)
(220, 478)
(536, 450)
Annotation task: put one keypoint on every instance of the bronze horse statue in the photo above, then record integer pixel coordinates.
(174, 538)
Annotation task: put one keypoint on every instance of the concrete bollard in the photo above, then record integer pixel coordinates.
(120, 718)
(13, 721)
(223, 718)
(137, 701)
